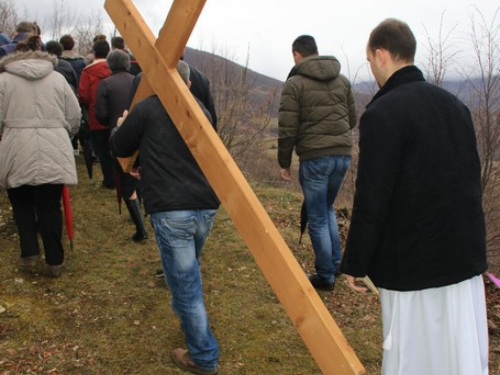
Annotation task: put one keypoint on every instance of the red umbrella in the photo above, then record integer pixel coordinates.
(67, 214)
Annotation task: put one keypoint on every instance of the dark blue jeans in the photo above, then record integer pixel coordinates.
(180, 236)
(321, 179)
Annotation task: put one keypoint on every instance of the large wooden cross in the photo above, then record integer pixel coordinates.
(158, 59)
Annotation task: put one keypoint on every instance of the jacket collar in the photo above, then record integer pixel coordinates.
(71, 55)
(29, 55)
(96, 61)
(404, 75)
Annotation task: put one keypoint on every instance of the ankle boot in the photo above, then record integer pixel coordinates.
(134, 208)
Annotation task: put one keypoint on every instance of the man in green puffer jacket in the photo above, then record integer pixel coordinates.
(316, 115)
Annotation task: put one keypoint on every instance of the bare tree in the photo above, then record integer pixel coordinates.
(60, 19)
(8, 16)
(85, 31)
(441, 53)
(484, 103)
(244, 114)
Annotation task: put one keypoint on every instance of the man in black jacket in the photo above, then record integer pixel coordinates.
(417, 227)
(117, 43)
(182, 207)
(111, 100)
(55, 48)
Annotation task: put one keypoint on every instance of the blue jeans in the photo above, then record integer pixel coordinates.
(321, 179)
(180, 236)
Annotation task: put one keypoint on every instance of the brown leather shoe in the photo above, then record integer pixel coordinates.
(183, 360)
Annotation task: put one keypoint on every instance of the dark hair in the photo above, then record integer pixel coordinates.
(26, 27)
(305, 45)
(118, 60)
(117, 42)
(101, 49)
(67, 41)
(31, 43)
(396, 37)
(54, 48)
(99, 37)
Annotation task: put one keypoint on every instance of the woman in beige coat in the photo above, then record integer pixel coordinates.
(39, 114)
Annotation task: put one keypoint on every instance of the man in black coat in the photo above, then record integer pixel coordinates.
(182, 207)
(65, 68)
(117, 43)
(200, 88)
(112, 99)
(417, 228)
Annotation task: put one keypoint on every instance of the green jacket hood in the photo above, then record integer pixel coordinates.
(321, 68)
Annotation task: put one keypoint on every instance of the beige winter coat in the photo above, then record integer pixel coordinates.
(39, 114)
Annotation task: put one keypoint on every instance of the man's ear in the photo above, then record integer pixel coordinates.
(380, 55)
(189, 84)
(297, 56)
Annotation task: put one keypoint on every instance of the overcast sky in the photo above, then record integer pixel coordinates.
(265, 29)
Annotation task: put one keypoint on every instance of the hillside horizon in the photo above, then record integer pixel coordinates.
(364, 89)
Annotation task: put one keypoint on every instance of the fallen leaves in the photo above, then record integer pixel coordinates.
(42, 358)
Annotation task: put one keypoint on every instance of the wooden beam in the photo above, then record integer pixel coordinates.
(178, 26)
(313, 321)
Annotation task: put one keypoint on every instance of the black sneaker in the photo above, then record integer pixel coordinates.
(159, 274)
(318, 283)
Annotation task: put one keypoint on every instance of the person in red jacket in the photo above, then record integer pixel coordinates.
(91, 76)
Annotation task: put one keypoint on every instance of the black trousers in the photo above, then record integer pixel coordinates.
(100, 140)
(129, 184)
(39, 208)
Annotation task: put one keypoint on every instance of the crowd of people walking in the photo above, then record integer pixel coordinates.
(417, 227)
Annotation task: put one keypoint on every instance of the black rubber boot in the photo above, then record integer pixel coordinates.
(134, 208)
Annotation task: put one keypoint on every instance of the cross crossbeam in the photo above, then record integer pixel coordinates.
(158, 60)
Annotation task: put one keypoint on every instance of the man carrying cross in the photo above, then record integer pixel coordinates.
(182, 207)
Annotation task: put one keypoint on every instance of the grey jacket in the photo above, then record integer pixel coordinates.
(316, 112)
(39, 113)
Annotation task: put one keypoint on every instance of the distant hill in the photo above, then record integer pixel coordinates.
(199, 59)
(220, 69)
(222, 72)
(465, 89)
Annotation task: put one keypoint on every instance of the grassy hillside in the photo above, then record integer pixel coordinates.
(108, 314)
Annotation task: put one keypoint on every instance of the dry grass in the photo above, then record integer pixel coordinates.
(108, 314)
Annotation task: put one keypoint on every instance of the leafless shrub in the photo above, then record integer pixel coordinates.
(244, 114)
(61, 19)
(484, 102)
(8, 16)
(86, 29)
(441, 54)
